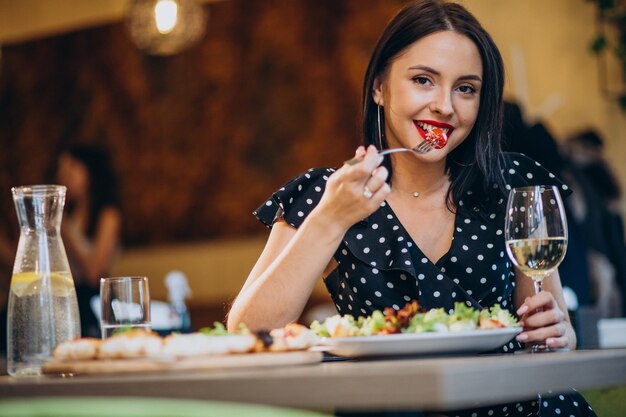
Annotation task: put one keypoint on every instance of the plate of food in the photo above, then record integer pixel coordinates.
(409, 331)
(210, 348)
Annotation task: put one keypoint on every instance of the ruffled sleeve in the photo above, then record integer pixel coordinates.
(522, 171)
(296, 199)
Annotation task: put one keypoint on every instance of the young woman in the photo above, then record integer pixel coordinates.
(91, 226)
(407, 226)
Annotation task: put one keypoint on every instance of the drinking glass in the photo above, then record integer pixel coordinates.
(125, 303)
(536, 235)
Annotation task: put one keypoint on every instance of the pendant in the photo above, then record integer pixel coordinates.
(416, 194)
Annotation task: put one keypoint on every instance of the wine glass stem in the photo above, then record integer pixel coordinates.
(537, 283)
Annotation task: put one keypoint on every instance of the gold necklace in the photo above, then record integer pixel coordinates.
(416, 194)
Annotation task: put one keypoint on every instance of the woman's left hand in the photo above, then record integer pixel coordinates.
(543, 320)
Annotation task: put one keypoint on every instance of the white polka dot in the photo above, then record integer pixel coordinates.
(381, 240)
(359, 236)
(374, 271)
(511, 171)
(390, 285)
(465, 247)
(498, 232)
(269, 203)
(403, 277)
(474, 237)
(300, 214)
(407, 298)
(344, 252)
(363, 281)
(564, 187)
(424, 260)
(378, 294)
(388, 252)
(529, 176)
(421, 276)
(354, 290)
(368, 302)
(409, 244)
(395, 227)
(375, 226)
(483, 280)
(494, 267)
(353, 267)
(516, 163)
(456, 280)
(490, 245)
(439, 277)
(436, 294)
(400, 239)
(453, 259)
(366, 250)
(468, 221)
(404, 250)
(480, 257)
(318, 189)
(395, 307)
(468, 270)
(407, 262)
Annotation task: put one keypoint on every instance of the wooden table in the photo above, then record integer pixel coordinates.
(416, 383)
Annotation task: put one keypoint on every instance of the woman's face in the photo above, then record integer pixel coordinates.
(435, 82)
(74, 175)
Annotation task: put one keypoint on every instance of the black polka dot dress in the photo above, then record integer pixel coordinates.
(380, 266)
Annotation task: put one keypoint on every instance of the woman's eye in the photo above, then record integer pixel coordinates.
(467, 89)
(421, 80)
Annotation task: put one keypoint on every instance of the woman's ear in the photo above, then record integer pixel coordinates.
(377, 91)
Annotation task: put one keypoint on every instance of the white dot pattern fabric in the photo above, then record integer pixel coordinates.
(380, 266)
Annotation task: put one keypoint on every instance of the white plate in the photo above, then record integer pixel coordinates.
(474, 341)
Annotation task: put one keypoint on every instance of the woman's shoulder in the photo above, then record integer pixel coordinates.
(522, 171)
(296, 199)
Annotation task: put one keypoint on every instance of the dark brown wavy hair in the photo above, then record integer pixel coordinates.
(477, 163)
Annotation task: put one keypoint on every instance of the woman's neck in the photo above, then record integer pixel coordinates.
(417, 179)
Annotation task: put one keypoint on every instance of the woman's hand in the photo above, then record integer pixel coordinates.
(354, 192)
(543, 320)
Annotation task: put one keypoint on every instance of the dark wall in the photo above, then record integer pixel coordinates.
(201, 138)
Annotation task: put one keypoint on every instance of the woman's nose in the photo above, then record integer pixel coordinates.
(442, 103)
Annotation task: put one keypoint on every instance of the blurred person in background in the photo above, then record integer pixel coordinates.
(92, 223)
(538, 143)
(598, 209)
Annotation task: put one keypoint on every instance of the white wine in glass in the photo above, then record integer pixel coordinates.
(536, 234)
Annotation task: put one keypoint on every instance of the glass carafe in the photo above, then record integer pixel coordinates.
(43, 310)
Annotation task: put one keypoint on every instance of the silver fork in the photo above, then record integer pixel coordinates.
(423, 147)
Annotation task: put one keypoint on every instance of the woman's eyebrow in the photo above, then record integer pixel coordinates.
(433, 71)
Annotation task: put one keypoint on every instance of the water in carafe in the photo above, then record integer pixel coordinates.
(42, 311)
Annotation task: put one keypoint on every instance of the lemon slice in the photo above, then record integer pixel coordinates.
(30, 283)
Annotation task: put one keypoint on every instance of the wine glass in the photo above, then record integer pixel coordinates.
(536, 235)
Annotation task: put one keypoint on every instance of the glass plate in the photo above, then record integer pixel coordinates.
(474, 341)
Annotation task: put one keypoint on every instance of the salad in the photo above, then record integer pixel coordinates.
(412, 319)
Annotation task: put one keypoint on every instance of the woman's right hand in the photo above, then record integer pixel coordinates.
(354, 192)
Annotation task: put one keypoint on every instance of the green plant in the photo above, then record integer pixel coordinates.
(611, 38)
